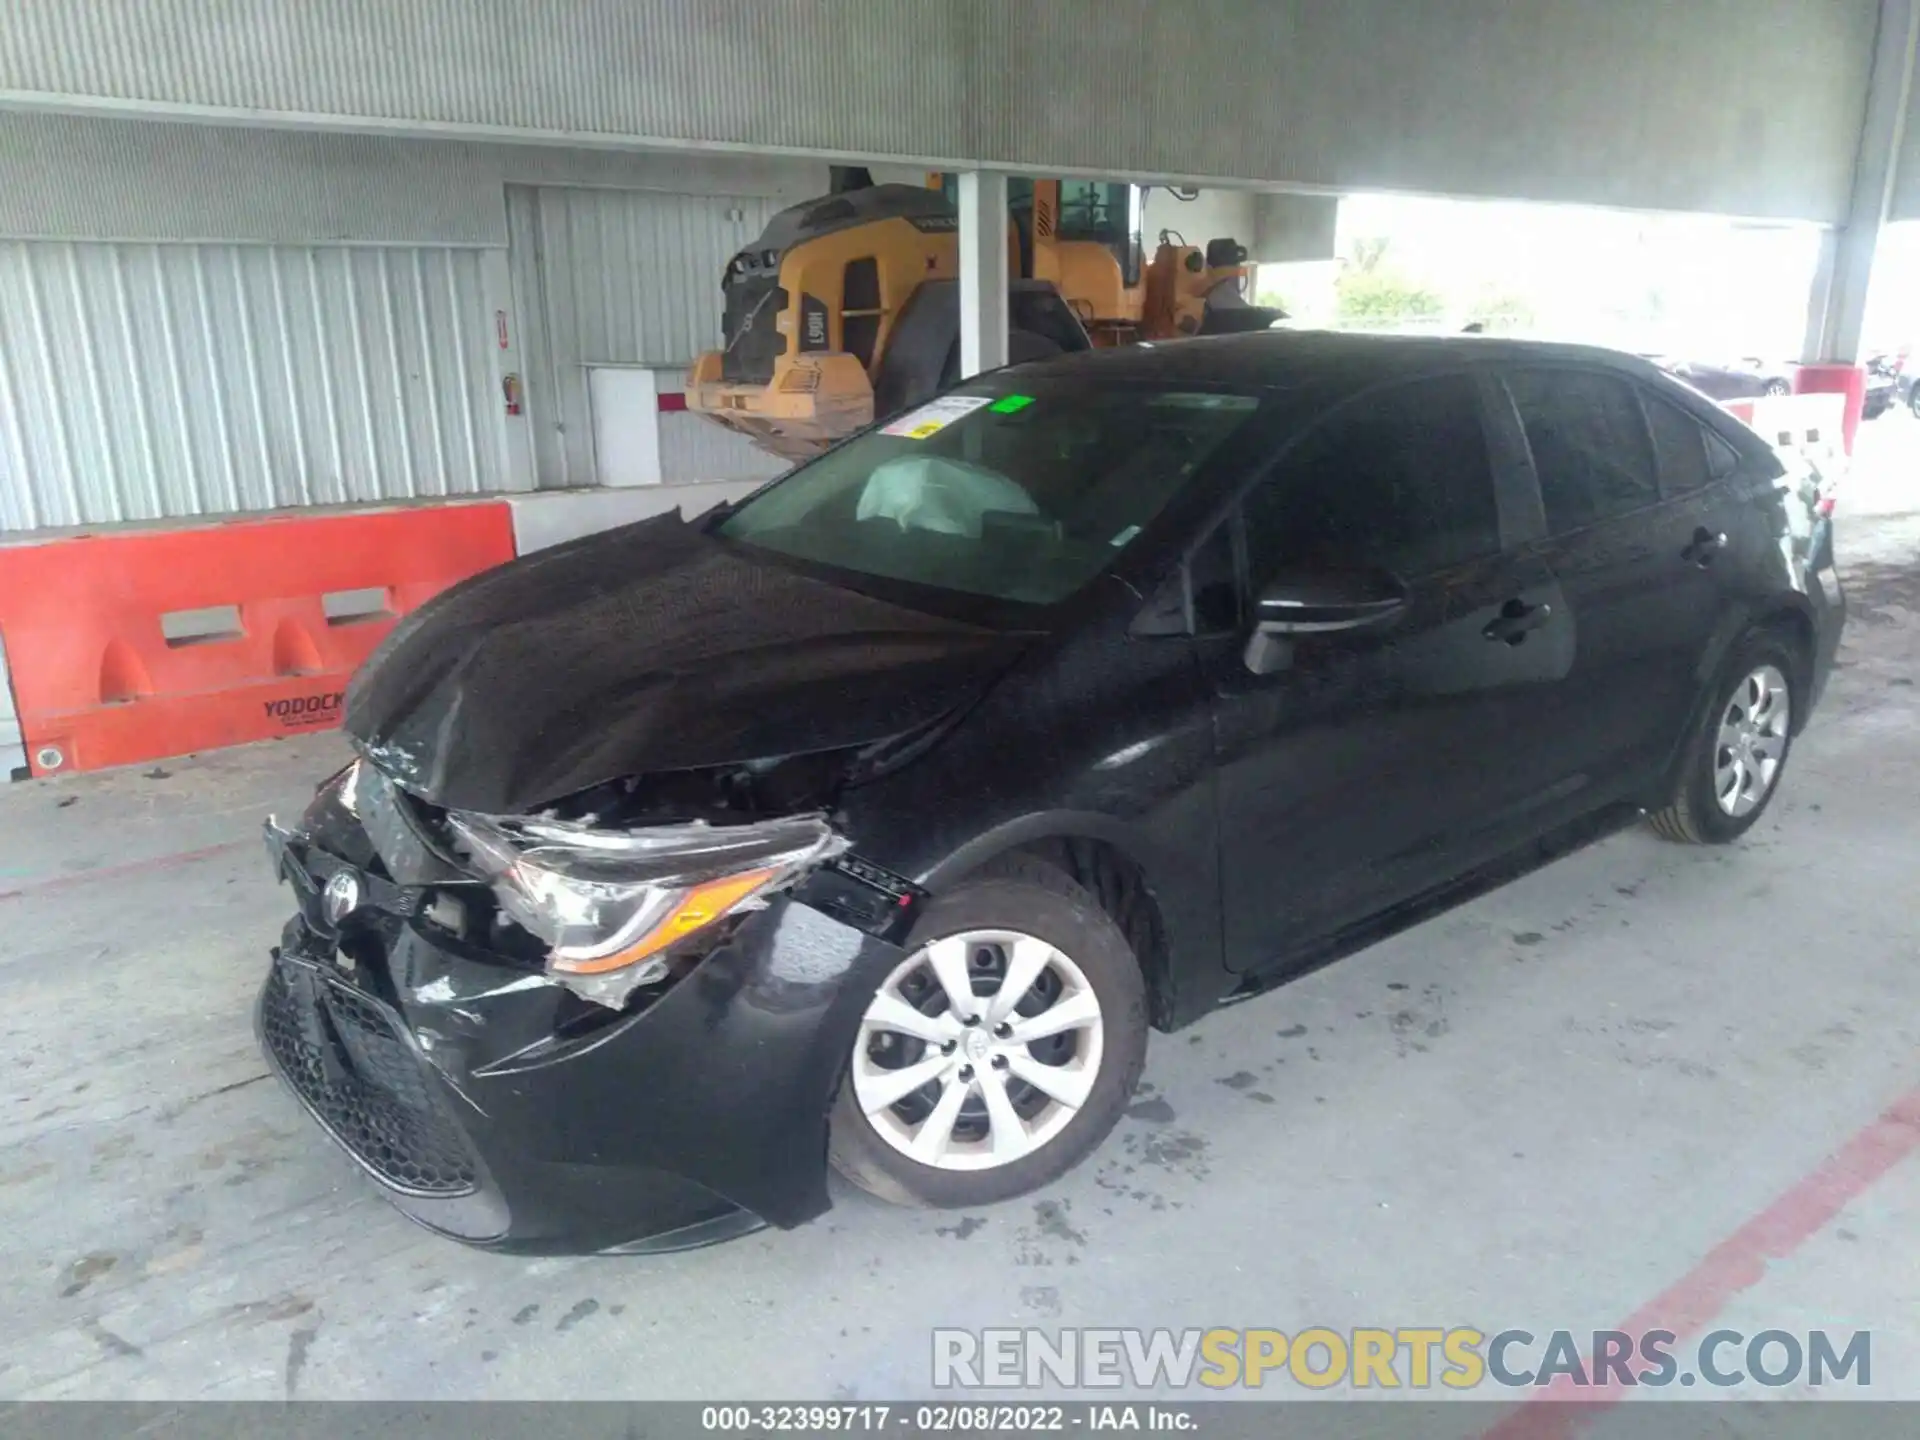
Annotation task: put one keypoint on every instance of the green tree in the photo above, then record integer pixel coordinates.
(1377, 297)
(1371, 290)
(1501, 311)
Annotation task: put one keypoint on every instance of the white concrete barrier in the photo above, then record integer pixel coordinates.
(1808, 427)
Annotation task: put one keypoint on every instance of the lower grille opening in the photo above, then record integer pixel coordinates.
(344, 1053)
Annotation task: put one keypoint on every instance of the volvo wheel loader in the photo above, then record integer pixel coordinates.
(846, 309)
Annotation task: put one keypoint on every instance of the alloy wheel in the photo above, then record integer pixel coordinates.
(978, 1049)
(1752, 741)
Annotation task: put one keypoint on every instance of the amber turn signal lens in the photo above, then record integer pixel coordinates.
(700, 906)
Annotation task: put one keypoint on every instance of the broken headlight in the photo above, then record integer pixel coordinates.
(609, 903)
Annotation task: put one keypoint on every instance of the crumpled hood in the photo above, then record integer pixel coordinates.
(652, 647)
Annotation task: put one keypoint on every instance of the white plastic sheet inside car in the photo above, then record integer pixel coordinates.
(930, 492)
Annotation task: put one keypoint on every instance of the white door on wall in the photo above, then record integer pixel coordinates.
(627, 278)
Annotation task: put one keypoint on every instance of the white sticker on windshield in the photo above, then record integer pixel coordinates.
(934, 416)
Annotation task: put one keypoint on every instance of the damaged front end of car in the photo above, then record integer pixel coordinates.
(611, 904)
(585, 933)
(614, 1023)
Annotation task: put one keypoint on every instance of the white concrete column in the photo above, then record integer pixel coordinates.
(983, 271)
(1838, 305)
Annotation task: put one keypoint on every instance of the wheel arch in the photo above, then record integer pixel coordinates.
(1122, 872)
(1787, 615)
(1795, 625)
(1782, 617)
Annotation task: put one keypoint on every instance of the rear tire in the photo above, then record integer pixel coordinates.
(989, 1152)
(1022, 346)
(1738, 752)
(1025, 345)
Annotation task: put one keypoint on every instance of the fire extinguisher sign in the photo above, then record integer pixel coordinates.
(500, 327)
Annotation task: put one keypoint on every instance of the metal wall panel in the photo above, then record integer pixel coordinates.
(694, 449)
(224, 182)
(614, 277)
(157, 381)
(150, 181)
(1748, 107)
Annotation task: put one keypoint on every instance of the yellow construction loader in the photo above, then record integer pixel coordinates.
(846, 309)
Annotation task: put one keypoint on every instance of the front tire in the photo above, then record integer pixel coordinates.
(945, 1108)
(1736, 756)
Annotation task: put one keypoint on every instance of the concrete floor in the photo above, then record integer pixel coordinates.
(1561, 1106)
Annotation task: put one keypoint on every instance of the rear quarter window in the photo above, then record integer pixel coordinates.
(1679, 447)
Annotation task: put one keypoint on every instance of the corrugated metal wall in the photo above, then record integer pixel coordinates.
(1746, 107)
(148, 181)
(692, 448)
(146, 381)
(616, 277)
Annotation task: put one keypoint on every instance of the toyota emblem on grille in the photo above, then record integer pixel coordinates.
(342, 896)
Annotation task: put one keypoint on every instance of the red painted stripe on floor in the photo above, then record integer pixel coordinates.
(1736, 1264)
(116, 872)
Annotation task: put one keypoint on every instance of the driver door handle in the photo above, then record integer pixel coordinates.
(1515, 620)
(1704, 546)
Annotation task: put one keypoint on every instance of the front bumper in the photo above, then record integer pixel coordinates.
(1828, 601)
(493, 1106)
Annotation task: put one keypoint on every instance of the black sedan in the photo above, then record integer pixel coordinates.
(875, 821)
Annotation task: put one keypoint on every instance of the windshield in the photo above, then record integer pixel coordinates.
(1096, 210)
(1019, 494)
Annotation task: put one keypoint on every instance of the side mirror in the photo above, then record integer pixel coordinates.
(1320, 602)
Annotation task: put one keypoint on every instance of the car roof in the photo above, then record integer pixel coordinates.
(1323, 360)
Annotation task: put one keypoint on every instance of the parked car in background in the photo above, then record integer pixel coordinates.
(873, 822)
(1882, 388)
(1889, 386)
(1736, 380)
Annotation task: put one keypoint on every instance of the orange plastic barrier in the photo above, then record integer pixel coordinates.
(140, 645)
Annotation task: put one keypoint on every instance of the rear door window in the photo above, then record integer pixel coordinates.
(1590, 445)
(1400, 480)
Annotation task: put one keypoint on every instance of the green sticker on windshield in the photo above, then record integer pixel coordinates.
(1010, 404)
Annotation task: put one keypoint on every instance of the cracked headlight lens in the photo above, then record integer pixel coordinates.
(609, 902)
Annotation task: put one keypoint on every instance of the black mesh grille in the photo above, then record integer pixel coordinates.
(343, 1052)
(751, 327)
